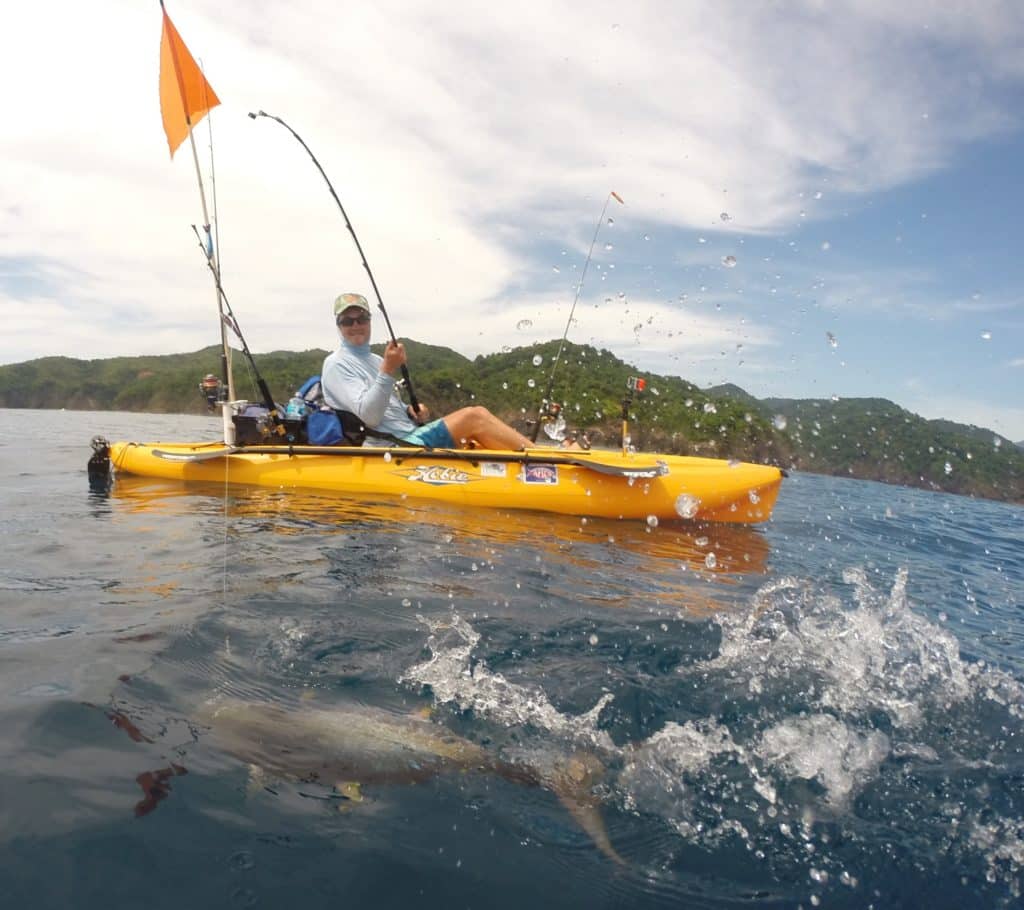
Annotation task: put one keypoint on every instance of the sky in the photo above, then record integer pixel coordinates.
(820, 198)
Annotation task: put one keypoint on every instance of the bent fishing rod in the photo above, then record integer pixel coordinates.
(359, 247)
(546, 400)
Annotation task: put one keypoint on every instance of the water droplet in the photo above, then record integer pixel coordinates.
(609, 246)
(709, 408)
(537, 360)
(948, 468)
(504, 385)
(687, 505)
(817, 195)
(531, 383)
(779, 421)
(710, 560)
(701, 240)
(701, 541)
(647, 236)
(524, 324)
(729, 262)
(753, 497)
(733, 462)
(387, 456)
(652, 521)
(506, 349)
(826, 245)
(724, 216)
(593, 639)
(835, 398)
(611, 221)
(406, 602)
(833, 342)
(986, 336)
(242, 859)
(244, 897)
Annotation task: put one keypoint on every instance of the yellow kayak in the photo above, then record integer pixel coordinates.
(592, 483)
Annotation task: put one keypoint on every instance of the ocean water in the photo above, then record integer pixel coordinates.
(825, 710)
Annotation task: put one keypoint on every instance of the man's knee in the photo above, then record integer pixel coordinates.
(474, 415)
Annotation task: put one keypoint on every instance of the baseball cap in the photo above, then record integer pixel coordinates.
(345, 301)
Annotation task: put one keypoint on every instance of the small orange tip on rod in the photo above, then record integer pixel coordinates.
(617, 196)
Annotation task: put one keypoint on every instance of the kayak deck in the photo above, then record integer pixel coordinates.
(592, 483)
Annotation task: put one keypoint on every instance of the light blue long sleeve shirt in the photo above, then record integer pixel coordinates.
(352, 381)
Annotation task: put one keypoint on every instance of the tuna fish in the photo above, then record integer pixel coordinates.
(357, 745)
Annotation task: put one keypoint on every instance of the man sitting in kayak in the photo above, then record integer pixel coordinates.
(357, 380)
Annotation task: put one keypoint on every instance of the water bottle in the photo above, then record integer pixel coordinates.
(296, 408)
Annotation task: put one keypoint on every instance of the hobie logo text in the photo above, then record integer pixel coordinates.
(438, 475)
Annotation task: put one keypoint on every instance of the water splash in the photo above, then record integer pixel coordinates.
(455, 678)
(840, 710)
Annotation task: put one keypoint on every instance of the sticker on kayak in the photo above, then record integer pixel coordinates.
(438, 475)
(540, 473)
(493, 469)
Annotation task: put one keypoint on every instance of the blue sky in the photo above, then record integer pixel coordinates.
(867, 160)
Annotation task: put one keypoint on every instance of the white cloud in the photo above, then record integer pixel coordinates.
(459, 137)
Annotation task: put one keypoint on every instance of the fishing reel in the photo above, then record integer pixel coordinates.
(210, 389)
(551, 418)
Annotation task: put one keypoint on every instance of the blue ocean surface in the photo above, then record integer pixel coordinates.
(221, 696)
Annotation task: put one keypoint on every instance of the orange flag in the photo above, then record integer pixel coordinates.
(185, 95)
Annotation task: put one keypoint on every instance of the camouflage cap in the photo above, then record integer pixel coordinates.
(345, 301)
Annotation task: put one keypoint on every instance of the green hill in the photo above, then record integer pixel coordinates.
(869, 438)
(873, 438)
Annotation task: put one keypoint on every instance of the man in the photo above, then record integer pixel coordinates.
(357, 380)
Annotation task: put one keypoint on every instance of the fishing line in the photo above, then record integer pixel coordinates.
(359, 247)
(579, 287)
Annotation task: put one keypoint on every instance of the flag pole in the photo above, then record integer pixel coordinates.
(213, 258)
(211, 253)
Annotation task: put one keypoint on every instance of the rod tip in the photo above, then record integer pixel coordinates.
(252, 115)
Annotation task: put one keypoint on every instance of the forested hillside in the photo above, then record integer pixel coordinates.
(865, 438)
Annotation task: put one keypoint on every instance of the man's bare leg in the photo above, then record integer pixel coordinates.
(477, 424)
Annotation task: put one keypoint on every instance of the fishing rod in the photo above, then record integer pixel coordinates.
(228, 319)
(359, 247)
(546, 400)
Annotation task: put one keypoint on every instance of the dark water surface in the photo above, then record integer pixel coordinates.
(823, 711)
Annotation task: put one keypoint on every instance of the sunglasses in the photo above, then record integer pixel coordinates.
(362, 319)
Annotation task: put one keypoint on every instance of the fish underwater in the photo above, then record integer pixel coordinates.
(351, 746)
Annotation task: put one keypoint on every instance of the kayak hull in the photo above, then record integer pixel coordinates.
(596, 483)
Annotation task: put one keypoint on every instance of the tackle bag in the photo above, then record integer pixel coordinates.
(326, 426)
